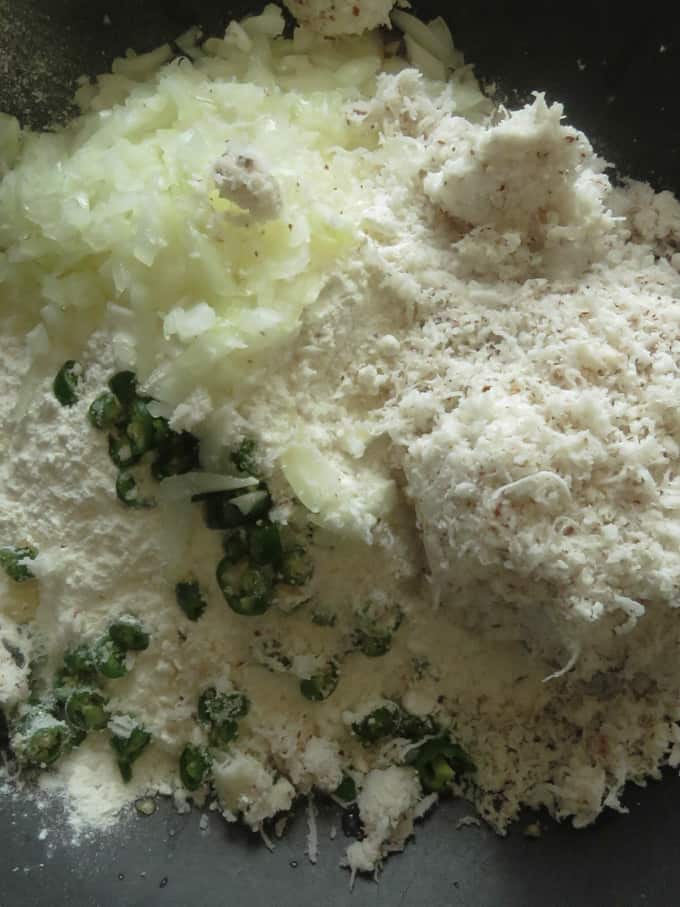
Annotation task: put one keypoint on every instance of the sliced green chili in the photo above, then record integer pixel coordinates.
(320, 686)
(347, 789)
(416, 727)
(223, 733)
(235, 545)
(161, 431)
(129, 633)
(128, 749)
(110, 658)
(379, 724)
(178, 452)
(12, 560)
(244, 457)
(124, 386)
(264, 544)
(121, 452)
(127, 491)
(249, 594)
(86, 710)
(45, 746)
(220, 513)
(79, 662)
(224, 510)
(297, 567)
(40, 738)
(64, 684)
(190, 599)
(65, 384)
(214, 706)
(105, 411)
(194, 765)
(373, 645)
(324, 619)
(438, 761)
(140, 428)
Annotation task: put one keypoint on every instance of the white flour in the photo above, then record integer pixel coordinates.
(497, 363)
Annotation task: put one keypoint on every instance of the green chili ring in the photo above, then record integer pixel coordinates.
(65, 384)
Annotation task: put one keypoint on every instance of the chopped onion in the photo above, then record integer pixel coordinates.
(435, 39)
(345, 499)
(442, 34)
(429, 65)
(141, 66)
(176, 488)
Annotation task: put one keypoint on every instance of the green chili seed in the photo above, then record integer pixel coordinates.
(127, 491)
(105, 411)
(347, 789)
(193, 766)
(86, 710)
(190, 599)
(12, 560)
(66, 382)
(437, 774)
(250, 594)
(438, 761)
(124, 386)
(264, 544)
(110, 658)
(129, 633)
(121, 452)
(320, 686)
(297, 567)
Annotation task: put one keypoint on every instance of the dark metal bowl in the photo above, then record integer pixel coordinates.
(618, 77)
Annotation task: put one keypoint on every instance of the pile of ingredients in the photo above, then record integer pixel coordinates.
(340, 440)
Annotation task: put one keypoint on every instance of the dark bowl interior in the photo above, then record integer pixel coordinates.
(617, 75)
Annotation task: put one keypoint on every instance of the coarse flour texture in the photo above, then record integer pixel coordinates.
(483, 390)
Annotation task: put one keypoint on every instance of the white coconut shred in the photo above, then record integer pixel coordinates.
(438, 348)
